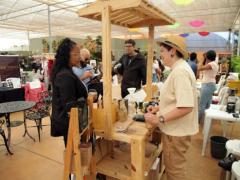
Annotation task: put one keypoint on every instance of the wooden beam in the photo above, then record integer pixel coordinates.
(126, 17)
(116, 17)
(137, 158)
(135, 20)
(120, 24)
(139, 13)
(97, 15)
(150, 62)
(107, 67)
(148, 22)
(130, 19)
(117, 12)
(114, 4)
(156, 13)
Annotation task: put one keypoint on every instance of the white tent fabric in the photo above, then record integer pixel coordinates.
(195, 42)
(17, 17)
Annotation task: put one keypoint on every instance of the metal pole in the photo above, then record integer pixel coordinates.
(28, 43)
(229, 40)
(238, 48)
(233, 44)
(49, 30)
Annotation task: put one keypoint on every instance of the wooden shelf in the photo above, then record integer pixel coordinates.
(136, 130)
(118, 164)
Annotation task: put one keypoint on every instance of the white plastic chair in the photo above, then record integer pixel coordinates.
(15, 81)
(233, 147)
(235, 171)
(220, 84)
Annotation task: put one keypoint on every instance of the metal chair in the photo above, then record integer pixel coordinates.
(39, 111)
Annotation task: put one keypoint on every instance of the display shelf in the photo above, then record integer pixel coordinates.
(118, 164)
(134, 130)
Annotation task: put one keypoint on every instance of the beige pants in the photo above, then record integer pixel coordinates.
(174, 153)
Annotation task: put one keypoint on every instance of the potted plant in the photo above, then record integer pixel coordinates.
(235, 65)
(45, 45)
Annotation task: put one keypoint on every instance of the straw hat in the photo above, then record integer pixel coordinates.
(176, 42)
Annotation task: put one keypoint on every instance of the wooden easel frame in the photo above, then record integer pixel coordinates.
(73, 148)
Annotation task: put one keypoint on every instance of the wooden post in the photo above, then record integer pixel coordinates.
(107, 69)
(150, 62)
(73, 148)
(137, 158)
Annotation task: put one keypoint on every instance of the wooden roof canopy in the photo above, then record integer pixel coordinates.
(128, 13)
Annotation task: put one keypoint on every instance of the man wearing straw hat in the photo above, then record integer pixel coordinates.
(177, 113)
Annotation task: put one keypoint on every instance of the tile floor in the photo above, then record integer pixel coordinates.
(44, 160)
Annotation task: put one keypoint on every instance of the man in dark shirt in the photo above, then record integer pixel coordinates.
(132, 66)
(193, 62)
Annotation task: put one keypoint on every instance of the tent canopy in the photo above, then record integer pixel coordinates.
(19, 16)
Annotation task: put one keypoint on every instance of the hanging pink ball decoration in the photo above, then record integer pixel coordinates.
(196, 23)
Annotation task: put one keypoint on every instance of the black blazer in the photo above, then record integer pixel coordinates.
(66, 88)
(134, 74)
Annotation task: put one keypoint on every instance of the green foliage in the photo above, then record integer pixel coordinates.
(94, 46)
(45, 45)
(54, 45)
(235, 64)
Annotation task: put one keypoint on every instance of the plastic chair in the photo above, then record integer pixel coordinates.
(233, 147)
(16, 82)
(235, 171)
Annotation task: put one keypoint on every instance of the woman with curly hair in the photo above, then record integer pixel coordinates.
(66, 86)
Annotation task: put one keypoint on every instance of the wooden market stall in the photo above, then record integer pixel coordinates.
(131, 14)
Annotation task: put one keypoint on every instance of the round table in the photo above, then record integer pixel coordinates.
(11, 107)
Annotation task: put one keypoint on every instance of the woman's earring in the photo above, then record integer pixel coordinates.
(172, 55)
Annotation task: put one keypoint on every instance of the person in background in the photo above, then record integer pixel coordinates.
(209, 70)
(85, 72)
(177, 112)
(156, 71)
(49, 70)
(193, 62)
(66, 86)
(162, 69)
(132, 67)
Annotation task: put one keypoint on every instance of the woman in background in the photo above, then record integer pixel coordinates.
(209, 70)
(66, 86)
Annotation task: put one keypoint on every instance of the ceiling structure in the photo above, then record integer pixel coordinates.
(20, 17)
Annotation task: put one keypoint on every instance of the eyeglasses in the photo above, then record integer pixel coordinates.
(127, 46)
